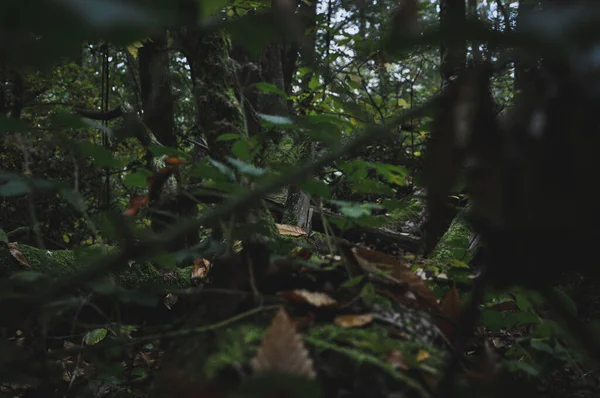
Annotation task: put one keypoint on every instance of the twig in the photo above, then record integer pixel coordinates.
(164, 335)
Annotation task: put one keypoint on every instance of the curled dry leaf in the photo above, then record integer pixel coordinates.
(283, 350)
(353, 321)
(135, 203)
(200, 269)
(315, 299)
(18, 255)
(398, 273)
(290, 230)
(170, 300)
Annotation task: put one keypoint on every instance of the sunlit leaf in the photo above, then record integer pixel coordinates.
(95, 336)
(276, 120)
(246, 168)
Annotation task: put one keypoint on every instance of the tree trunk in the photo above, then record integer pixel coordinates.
(218, 110)
(453, 54)
(167, 206)
(155, 85)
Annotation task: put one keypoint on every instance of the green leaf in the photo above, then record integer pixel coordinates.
(392, 173)
(135, 180)
(165, 260)
(253, 31)
(548, 328)
(158, 150)
(371, 186)
(210, 8)
(371, 221)
(9, 125)
(522, 366)
(223, 169)
(15, 188)
(270, 88)
(228, 137)
(28, 277)
(276, 120)
(493, 320)
(540, 345)
(522, 318)
(102, 156)
(355, 170)
(316, 187)
(567, 301)
(246, 168)
(355, 210)
(241, 149)
(74, 198)
(395, 204)
(3, 236)
(353, 281)
(103, 14)
(95, 336)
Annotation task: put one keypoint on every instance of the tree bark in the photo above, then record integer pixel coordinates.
(453, 55)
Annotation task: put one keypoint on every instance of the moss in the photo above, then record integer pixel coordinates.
(61, 263)
(455, 242)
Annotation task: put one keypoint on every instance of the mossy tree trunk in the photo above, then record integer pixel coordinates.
(218, 111)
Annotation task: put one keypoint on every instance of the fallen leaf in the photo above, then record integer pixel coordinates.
(290, 230)
(170, 300)
(397, 273)
(282, 350)
(315, 299)
(396, 359)
(450, 308)
(353, 321)
(18, 255)
(200, 268)
(422, 355)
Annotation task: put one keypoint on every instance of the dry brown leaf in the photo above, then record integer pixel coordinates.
(290, 230)
(398, 273)
(282, 350)
(200, 269)
(422, 355)
(313, 298)
(450, 308)
(353, 321)
(18, 255)
(396, 359)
